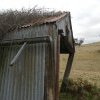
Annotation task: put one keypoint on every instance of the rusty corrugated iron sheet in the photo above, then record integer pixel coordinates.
(45, 20)
(24, 80)
(30, 32)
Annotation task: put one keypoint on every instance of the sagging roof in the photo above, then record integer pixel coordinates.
(44, 20)
(24, 19)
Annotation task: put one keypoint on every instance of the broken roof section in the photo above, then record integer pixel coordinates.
(45, 20)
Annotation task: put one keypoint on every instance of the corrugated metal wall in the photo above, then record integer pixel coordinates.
(30, 32)
(24, 80)
(33, 76)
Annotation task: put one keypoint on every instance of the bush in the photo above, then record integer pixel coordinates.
(82, 90)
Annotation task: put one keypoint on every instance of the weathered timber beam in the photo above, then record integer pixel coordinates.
(67, 72)
(44, 39)
(18, 54)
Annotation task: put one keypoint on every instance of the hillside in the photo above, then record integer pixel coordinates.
(86, 63)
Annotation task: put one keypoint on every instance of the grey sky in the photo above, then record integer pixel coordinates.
(85, 13)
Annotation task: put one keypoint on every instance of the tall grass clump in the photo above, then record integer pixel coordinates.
(80, 90)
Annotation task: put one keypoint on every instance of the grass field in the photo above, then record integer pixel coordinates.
(86, 63)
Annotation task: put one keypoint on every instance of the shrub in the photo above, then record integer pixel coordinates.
(82, 90)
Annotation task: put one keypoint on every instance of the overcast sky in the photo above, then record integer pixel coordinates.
(85, 13)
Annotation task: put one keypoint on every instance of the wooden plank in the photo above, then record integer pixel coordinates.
(57, 68)
(18, 54)
(43, 39)
(67, 73)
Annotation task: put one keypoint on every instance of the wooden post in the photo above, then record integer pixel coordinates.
(18, 54)
(67, 72)
(57, 68)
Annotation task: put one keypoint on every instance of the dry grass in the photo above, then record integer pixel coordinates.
(86, 63)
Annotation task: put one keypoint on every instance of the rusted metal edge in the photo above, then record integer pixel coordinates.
(72, 33)
(48, 20)
(44, 39)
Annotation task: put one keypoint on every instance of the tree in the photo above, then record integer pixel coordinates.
(79, 41)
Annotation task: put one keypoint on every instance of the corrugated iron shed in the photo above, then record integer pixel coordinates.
(34, 73)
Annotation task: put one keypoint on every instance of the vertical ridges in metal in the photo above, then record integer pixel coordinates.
(25, 79)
